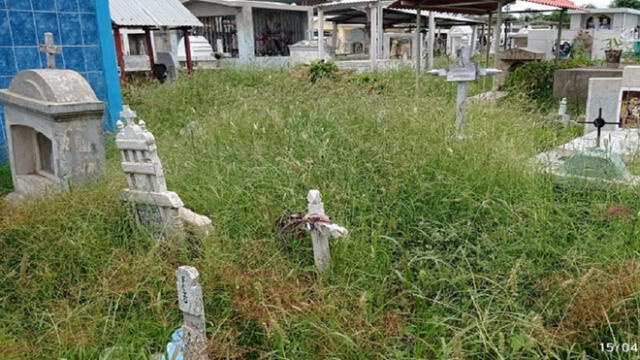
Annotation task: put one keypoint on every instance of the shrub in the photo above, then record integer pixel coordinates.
(535, 79)
(321, 69)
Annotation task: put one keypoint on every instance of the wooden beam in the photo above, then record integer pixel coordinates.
(117, 38)
(147, 37)
(187, 49)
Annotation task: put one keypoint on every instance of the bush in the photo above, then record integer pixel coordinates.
(321, 69)
(535, 79)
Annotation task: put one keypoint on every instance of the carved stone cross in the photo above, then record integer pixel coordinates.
(462, 73)
(50, 49)
(127, 114)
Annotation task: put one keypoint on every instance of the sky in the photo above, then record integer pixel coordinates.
(522, 5)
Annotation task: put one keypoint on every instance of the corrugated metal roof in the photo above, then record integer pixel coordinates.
(152, 13)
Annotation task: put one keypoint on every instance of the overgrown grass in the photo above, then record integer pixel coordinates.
(457, 249)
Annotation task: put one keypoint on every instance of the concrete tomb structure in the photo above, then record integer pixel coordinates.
(611, 133)
(157, 209)
(53, 122)
(573, 84)
(618, 97)
(512, 58)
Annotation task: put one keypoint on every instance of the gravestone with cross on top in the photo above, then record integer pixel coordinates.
(157, 209)
(462, 73)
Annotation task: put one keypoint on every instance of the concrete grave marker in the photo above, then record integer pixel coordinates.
(462, 73)
(192, 307)
(321, 229)
(54, 129)
(157, 209)
(619, 99)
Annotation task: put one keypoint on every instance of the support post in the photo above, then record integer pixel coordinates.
(373, 31)
(418, 47)
(430, 45)
(321, 251)
(321, 34)
(187, 49)
(497, 33)
(117, 38)
(147, 37)
(192, 307)
(310, 24)
(559, 37)
(474, 36)
(380, 30)
(488, 49)
(334, 37)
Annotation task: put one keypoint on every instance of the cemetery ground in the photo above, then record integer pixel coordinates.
(457, 249)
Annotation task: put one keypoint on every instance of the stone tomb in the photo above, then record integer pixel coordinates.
(53, 124)
(619, 99)
(512, 58)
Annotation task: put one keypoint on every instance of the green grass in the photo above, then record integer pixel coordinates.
(5, 179)
(457, 250)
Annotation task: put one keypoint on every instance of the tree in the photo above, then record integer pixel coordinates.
(589, 6)
(633, 4)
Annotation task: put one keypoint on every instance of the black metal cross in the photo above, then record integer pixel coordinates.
(599, 123)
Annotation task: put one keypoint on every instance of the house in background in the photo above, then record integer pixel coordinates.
(81, 27)
(259, 31)
(601, 24)
(139, 26)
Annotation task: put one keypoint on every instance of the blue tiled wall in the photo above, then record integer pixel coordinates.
(74, 24)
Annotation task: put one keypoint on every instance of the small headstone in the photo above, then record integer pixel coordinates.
(562, 117)
(192, 307)
(157, 209)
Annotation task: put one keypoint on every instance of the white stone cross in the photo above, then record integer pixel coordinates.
(50, 49)
(462, 73)
(321, 230)
(192, 307)
(128, 114)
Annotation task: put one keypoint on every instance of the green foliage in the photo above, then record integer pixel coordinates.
(6, 184)
(612, 43)
(633, 4)
(457, 250)
(322, 69)
(535, 79)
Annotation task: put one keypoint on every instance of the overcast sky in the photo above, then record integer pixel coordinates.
(522, 5)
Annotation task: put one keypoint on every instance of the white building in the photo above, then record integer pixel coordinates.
(601, 24)
(252, 30)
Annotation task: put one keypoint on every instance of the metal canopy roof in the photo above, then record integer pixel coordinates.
(474, 7)
(151, 14)
(394, 17)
